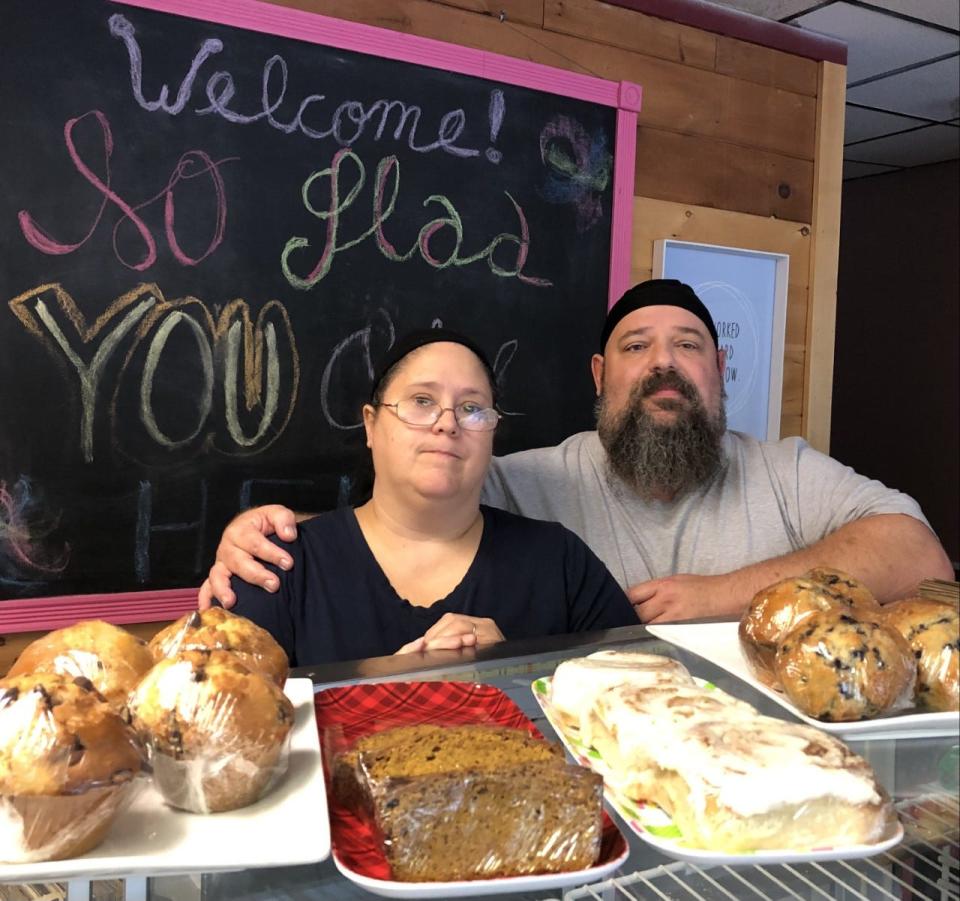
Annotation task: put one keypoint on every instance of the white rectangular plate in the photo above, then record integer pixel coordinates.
(720, 644)
(289, 826)
(654, 826)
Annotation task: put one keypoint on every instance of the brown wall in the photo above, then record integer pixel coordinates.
(896, 374)
(726, 125)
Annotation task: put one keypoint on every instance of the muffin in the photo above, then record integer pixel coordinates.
(215, 729)
(68, 765)
(773, 612)
(110, 657)
(932, 630)
(836, 667)
(218, 629)
(846, 586)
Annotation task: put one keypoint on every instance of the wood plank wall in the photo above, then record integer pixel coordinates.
(725, 125)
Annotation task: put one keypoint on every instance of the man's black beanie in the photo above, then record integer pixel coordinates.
(666, 292)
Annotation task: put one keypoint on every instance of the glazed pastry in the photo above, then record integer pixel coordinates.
(773, 612)
(733, 780)
(577, 683)
(221, 630)
(216, 730)
(932, 630)
(838, 668)
(110, 657)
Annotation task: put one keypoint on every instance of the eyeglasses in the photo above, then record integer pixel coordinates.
(422, 411)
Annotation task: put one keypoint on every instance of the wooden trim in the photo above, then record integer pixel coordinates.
(43, 614)
(745, 26)
(824, 256)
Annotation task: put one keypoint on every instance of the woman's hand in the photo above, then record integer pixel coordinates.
(244, 542)
(453, 631)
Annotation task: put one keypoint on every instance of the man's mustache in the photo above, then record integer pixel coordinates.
(668, 378)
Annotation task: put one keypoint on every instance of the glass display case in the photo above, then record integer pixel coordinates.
(920, 774)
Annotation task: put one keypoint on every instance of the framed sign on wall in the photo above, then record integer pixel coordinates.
(746, 293)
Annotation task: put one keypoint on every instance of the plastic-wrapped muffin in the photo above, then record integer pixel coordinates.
(844, 585)
(772, 613)
(68, 765)
(836, 667)
(110, 657)
(217, 731)
(218, 629)
(932, 630)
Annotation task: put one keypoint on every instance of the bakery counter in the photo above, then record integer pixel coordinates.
(919, 773)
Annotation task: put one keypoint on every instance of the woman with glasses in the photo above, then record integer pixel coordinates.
(422, 565)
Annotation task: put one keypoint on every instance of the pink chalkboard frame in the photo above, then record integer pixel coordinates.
(40, 614)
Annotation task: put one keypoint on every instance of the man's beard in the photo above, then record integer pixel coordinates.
(662, 460)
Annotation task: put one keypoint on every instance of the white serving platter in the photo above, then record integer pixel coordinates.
(289, 826)
(720, 644)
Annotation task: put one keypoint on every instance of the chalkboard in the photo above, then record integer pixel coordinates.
(212, 233)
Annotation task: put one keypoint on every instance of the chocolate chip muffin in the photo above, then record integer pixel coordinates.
(773, 612)
(68, 764)
(932, 630)
(836, 667)
(216, 730)
(844, 585)
(218, 629)
(110, 657)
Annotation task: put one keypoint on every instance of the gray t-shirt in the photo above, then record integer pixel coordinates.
(770, 498)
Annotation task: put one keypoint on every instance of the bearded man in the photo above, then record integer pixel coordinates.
(690, 518)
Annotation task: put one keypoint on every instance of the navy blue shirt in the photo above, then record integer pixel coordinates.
(530, 577)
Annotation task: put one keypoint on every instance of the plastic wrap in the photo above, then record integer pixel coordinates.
(110, 657)
(731, 779)
(836, 667)
(501, 801)
(852, 590)
(772, 613)
(68, 765)
(218, 629)
(932, 629)
(540, 817)
(216, 731)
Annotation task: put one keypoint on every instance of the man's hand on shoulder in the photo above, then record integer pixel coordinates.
(244, 543)
(685, 596)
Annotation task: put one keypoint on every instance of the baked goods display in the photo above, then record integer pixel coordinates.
(731, 779)
(216, 730)
(68, 765)
(218, 629)
(471, 802)
(112, 658)
(932, 630)
(824, 641)
(838, 668)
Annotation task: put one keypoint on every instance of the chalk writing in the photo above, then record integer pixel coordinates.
(22, 535)
(347, 124)
(192, 164)
(150, 320)
(388, 172)
(146, 528)
(578, 168)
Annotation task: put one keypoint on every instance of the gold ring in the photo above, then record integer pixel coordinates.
(475, 632)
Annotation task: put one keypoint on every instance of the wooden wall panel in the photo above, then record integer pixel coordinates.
(822, 311)
(527, 12)
(763, 65)
(629, 30)
(707, 172)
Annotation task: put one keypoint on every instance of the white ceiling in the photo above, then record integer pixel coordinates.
(903, 75)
